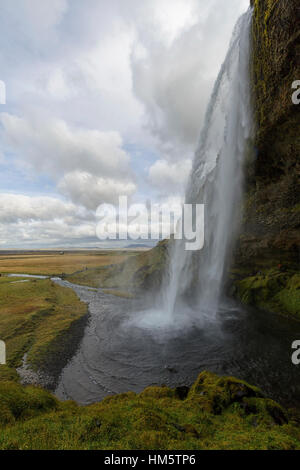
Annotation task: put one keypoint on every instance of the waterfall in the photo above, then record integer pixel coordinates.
(216, 181)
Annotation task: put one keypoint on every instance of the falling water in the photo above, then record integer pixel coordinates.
(216, 181)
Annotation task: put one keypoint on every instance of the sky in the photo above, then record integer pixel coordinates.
(102, 99)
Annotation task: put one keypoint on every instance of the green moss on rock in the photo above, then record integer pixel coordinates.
(215, 394)
(271, 219)
(217, 413)
(8, 374)
(272, 290)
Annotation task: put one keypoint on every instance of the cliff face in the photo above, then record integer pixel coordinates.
(270, 234)
(272, 210)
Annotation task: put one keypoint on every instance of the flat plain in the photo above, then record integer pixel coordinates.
(54, 263)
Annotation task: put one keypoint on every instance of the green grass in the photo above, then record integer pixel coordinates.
(272, 290)
(8, 374)
(33, 316)
(217, 413)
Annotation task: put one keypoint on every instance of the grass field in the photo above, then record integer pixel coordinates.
(56, 264)
(33, 316)
(36, 315)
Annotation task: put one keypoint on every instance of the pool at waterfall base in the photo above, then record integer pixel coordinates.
(125, 348)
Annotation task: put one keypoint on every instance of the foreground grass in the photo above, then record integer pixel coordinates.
(216, 413)
(54, 264)
(35, 317)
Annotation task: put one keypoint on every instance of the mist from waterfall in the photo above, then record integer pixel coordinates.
(216, 181)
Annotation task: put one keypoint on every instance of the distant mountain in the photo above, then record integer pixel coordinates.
(140, 245)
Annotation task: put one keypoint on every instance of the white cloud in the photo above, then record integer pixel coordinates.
(58, 86)
(87, 80)
(174, 81)
(90, 166)
(32, 21)
(18, 207)
(53, 146)
(91, 191)
(34, 219)
(170, 177)
(40, 17)
(171, 17)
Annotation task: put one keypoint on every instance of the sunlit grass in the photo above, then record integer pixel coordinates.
(33, 315)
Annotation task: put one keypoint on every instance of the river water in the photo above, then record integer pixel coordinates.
(117, 355)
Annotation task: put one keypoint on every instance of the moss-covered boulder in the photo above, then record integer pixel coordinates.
(215, 393)
(271, 290)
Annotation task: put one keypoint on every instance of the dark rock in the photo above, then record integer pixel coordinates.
(182, 392)
(171, 369)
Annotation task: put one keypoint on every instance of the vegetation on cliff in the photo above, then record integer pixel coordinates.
(267, 256)
(271, 211)
(215, 413)
(139, 271)
(271, 290)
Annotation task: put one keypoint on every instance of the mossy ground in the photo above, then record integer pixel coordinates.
(35, 317)
(216, 413)
(272, 290)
